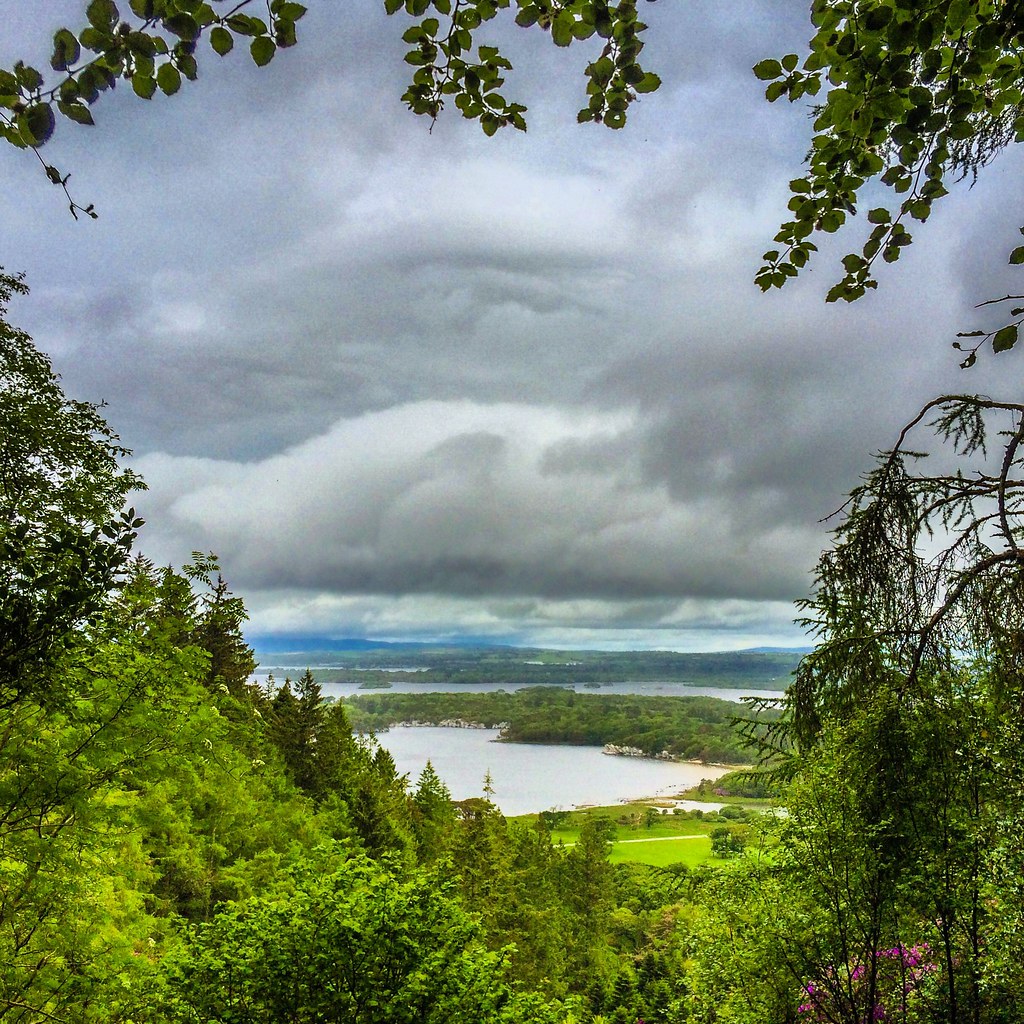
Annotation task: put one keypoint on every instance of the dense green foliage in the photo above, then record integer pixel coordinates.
(691, 728)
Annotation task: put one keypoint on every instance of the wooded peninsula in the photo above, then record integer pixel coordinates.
(685, 728)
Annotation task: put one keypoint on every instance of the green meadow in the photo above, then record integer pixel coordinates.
(639, 834)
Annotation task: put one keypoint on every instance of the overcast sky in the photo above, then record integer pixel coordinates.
(417, 385)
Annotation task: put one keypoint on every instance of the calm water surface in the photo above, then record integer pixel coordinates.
(533, 777)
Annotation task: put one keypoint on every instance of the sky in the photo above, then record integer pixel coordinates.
(417, 384)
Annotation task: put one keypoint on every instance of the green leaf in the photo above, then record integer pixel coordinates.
(649, 83)
(959, 10)
(77, 112)
(878, 17)
(527, 16)
(102, 14)
(96, 40)
(36, 124)
(65, 50)
(28, 77)
(1005, 338)
(841, 105)
(168, 78)
(184, 26)
(262, 49)
(284, 34)
(561, 29)
(1017, 256)
(766, 70)
(831, 221)
(144, 86)
(242, 24)
(221, 40)
(632, 74)
(141, 43)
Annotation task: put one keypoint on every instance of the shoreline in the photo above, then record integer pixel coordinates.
(610, 749)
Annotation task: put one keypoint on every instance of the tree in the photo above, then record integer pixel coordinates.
(219, 633)
(725, 842)
(64, 539)
(587, 884)
(902, 729)
(433, 815)
(362, 943)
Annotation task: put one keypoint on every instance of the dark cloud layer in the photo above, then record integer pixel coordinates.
(422, 383)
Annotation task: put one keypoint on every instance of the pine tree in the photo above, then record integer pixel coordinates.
(433, 815)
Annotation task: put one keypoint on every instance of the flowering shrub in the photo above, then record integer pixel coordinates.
(898, 975)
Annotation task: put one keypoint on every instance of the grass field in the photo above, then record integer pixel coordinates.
(659, 840)
(689, 850)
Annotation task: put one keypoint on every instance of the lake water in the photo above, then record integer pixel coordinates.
(533, 777)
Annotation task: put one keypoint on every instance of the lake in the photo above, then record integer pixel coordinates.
(533, 777)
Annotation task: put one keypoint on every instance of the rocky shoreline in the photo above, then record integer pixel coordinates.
(623, 751)
(447, 723)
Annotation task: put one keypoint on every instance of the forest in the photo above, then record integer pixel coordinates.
(180, 846)
(687, 728)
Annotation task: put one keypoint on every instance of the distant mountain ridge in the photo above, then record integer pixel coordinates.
(381, 663)
(326, 646)
(265, 644)
(775, 650)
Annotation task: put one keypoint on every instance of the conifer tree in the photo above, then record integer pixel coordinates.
(433, 815)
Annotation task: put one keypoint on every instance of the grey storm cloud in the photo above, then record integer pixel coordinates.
(412, 382)
(463, 498)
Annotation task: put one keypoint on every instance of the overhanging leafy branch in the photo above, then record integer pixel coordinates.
(927, 569)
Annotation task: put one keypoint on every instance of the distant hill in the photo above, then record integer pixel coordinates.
(317, 650)
(776, 650)
(366, 661)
